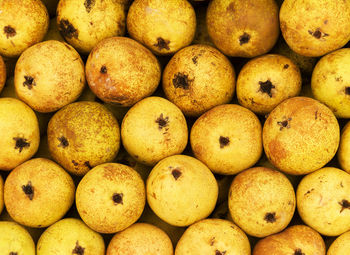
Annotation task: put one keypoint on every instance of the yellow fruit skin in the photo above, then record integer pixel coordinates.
(2, 73)
(1, 194)
(322, 201)
(27, 22)
(20, 133)
(52, 188)
(343, 153)
(15, 239)
(139, 239)
(67, 235)
(163, 26)
(330, 82)
(85, 23)
(213, 236)
(315, 27)
(341, 245)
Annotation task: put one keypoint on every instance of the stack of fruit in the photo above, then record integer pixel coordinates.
(243, 149)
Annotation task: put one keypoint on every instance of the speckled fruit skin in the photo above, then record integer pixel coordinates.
(69, 235)
(15, 239)
(85, 23)
(315, 27)
(139, 239)
(2, 73)
(298, 238)
(227, 139)
(323, 201)
(166, 185)
(110, 197)
(20, 135)
(197, 78)
(163, 26)
(119, 70)
(264, 206)
(243, 28)
(23, 23)
(343, 153)
(213, 236)
(266, 81)
(330, 82)
(300, 135)
(83, 135)
(52, 193)
(49, 75)
(341, 245)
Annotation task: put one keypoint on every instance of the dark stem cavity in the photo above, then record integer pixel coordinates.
(117, 198)
(9, 31)
(284, 124)
(28, 190)
(345, 204)
(13, 253)
(270, 217)
(217, 252)
(103, 69)
(347, 90)
(298, 252)
(78, 249)
(21, 143)
(176, 173)
(63, 142)
(266, 87)
(67, 29)
(224, 141)
(182, 81)
(162, 122)
(29, 82)
(162, 44)
(243, 39)
(89, 4)
(317, 33)
(285, 66)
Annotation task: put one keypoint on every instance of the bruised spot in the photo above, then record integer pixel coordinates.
(270, 217)
(217, 252)
(316, 115)
(89, 4)
(347, 90)
(162, 122)
(285, 66)
(28, 190)
(118, 198)
(243, 39)
(63, 142)
(162, 44)
(231, 7)
(308, 192)
(29, 82)
(103, 69)
(21, 143)
(317, 33)
(181, 80)
(195, 60)
(9, 31)
(345, 204)
(75, 163)
(176, 173)
(298, 252)
(13, 253)
(78, 249)
(266, 87)
(67, 29)
(87, 163)
(224, 141)
(212, 241)
(284, 124)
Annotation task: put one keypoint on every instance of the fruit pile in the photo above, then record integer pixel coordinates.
(161, 127)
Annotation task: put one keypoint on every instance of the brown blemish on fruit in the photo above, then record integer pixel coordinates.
(341, 184)
(270, 217)
(63, 142)
(285, 66)
(316, 115)
(308, 192)
(194, 60)
(345, 204)
(224, 141)
(118, 198)
(212, 241)
(29, 82)
(217, 252)
(67, 29)
(9, 31)
(325, 22)
(176, 173)
(266, 87)
(89, 4)
(162, 122)
(75, 163)
(28, 190)
(284, 124)
(243, 39)
(182, 81)
(103, 69)
(317, 33)
(13, 253)
(87, 163)
(162, 44)
(230, 7)
(298, 252)
(347, 90)
(78, 249)
(21, 143)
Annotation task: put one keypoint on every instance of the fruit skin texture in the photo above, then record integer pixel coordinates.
(266, 81)
(15, 239)
(341, 245)
(38, 193)
(1, 194)
(19, 133)
(344, 148)
(323, 201)
(213, 236)
(165, 190)
(2, 73)
(243, 28)
(69, 235)
(153, 129)
(300, 135)
(298, 239)
(263, 207)
(85, 23)
(227, 139)
(23, 23)
(83, 135)
(197, 78)
(315, 27)
(119, 70)
(110, 197)
(162, 26)
(139, 239)
(330, 82)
